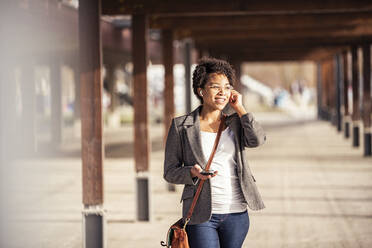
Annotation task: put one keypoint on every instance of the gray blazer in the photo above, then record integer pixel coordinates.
(183, 150)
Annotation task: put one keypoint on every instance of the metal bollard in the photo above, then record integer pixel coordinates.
(94, 226)
(143, 197)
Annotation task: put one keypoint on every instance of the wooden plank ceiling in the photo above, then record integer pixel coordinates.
(267, 30)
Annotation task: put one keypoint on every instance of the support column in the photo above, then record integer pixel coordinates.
(331, 85)
(91, 122)
(110, 77)
(237, 64)
(77, 114)
(337, 82)
(141, 137)
(355, 85)
(187, 65)
(77, 100)
(8, 120)
(28, 109)
(346, 111)
(168, 85)
(326, 98)
(319, 90)
(8, 147)
(367, 103)
(56, 102)
(237, 67)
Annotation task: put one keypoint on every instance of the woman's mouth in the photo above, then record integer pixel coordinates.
(220, 100)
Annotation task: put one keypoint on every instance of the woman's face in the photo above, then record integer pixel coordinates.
(216, 92)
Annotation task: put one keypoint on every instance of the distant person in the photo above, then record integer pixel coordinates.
(220, 218)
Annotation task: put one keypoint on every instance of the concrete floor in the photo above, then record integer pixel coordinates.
(316, 187)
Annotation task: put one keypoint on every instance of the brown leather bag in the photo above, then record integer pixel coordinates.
(177, 236)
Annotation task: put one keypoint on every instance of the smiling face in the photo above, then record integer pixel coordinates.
(216, 92)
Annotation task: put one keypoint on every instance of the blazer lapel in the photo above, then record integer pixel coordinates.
(192, 125)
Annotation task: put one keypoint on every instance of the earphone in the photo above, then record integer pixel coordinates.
(201, 93)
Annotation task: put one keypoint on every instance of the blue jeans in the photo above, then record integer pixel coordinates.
(222, 230)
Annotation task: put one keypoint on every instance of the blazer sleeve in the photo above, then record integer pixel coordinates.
(174, 170)
(253, 134)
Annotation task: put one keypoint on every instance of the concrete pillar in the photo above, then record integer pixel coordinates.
(367, 103)
(141, 138)
(91, 121)
(355, 85)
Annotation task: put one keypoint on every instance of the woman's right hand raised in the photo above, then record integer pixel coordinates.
(196, 170)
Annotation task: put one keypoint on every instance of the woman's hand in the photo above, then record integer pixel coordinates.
(196, 170)
(236, 101)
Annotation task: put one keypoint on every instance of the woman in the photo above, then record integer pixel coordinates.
(220, 217)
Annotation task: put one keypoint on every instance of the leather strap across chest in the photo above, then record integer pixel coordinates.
(196, 197)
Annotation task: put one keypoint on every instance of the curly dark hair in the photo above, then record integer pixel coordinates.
(207, 66)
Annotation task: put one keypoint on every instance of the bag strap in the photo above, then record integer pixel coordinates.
(196, 197)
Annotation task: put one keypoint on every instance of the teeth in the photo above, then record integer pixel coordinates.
(220, 100)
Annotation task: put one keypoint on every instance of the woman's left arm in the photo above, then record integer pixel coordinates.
(253, 134)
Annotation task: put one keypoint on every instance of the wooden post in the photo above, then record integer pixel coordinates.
(331, 85)
(8, 146)
(110, 79)
(91, 122)
(28, 108)
(237, 64)
(8, 119)
(326, 98)
(56, 102)
(168, 85)
(319, 89)
(141, 138)
(187, 65)
(355, 85)
(337, 83)
(77, 114)
(367, 103)
(346, 111)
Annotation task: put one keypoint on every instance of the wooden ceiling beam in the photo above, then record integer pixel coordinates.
(257, 22)
(271, 55)
(223, 7)
(259, 44)
(277, 34)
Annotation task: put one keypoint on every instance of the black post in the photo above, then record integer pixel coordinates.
(143, 201)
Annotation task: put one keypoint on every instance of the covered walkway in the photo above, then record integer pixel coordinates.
(94, 186)
(317, 190)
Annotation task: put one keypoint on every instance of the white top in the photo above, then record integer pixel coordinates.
(227, 196)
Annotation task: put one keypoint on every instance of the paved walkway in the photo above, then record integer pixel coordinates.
(317, 189)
